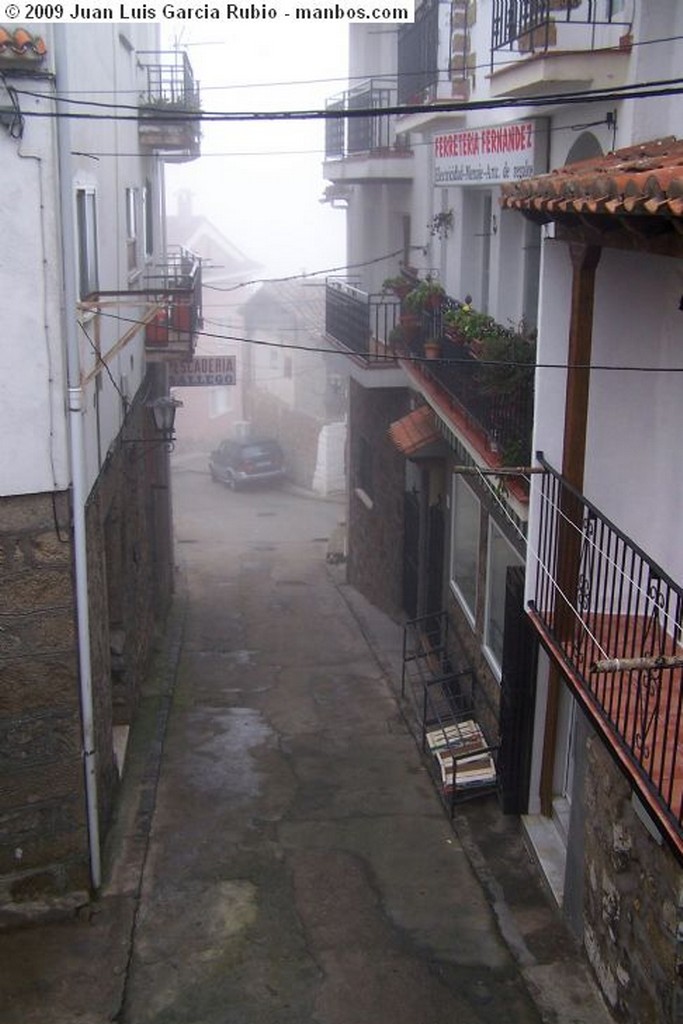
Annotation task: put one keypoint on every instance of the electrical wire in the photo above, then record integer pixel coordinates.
(391, 359)
(345, 79)
(530, 550)
(306, 274)
(619, 571)
(639, 90)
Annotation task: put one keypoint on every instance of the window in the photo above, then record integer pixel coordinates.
(86, 227)
(148, 219)
(465, 545)
(220, 401)
(132, 228)
(501, 555)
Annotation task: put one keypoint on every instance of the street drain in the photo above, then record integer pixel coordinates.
(187, 540)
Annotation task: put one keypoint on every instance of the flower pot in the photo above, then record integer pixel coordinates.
(432, 349)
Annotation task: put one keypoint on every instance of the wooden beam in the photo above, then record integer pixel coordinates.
(585, 260)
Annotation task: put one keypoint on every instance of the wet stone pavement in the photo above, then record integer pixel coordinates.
(280, 855)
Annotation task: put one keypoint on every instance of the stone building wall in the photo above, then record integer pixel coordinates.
(375, 528)
(633, 901)
(44, 850)
(43, 840)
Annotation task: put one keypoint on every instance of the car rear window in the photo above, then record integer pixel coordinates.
(253, 451)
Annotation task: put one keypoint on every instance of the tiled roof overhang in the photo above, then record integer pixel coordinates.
(643, 181)
(415, 431)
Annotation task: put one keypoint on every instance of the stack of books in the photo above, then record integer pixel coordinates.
(459, 752)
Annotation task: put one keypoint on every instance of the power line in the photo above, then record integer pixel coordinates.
(640, 90)
(374, 77)
(390, 359)
(304, 275)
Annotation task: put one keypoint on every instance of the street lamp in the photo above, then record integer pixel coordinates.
(164, 410)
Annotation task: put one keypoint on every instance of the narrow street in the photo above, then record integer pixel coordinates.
(300, 867)
(280, 855)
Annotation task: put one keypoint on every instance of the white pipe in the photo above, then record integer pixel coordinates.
(77, 452)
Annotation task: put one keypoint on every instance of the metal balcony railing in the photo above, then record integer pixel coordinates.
(418, 61)
(177, 285)
(170, 81)
(501, 410)
(616, 619)
(358, 134)
(360, 322)
(531, 25)
(169, 109)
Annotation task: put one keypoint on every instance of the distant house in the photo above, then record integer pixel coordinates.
(295, 385)
(209, 414)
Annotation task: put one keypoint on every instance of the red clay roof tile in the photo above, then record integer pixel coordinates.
(643, 179)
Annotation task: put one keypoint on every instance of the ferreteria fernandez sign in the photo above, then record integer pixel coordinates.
(202, 371)
(486, 156)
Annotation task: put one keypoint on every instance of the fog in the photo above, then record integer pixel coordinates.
(260, 184)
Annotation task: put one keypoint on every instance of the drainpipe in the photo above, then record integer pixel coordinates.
(76, 406)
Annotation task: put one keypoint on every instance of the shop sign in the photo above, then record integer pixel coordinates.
(202, 371)
(485, 156)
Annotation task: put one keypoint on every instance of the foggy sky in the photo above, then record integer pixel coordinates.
(266, 204)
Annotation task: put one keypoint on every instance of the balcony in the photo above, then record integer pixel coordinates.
(613, 619)
(361, 147)
(557, 45)
(169, 107)
(490, 400)
(176, 287)
(361, 325)
(418, 56)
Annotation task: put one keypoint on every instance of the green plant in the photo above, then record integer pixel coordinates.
(469, 323)
(441, 224)
(428, 294)
(508, 360)
(399, 285)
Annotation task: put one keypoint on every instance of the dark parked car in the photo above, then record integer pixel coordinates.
(241, 462)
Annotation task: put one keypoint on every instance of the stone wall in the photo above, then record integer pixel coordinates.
(43, 840)
(375, 545)
(633, 900)
(43, 831)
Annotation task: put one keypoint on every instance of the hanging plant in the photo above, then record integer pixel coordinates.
(441, 224)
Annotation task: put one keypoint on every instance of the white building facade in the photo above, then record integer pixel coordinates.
(500, 94)
(86, 526)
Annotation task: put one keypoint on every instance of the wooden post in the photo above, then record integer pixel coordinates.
(584, 259)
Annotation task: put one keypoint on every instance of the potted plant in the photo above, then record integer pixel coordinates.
(432, 348)
(427, 295)
(399, 286)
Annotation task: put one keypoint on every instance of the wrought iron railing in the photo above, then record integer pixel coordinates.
(502, 411)
(177, 284)
(374, 133)
(418, 55)
(617, 619)
(532, 25)
(360, 322)
(170, 81)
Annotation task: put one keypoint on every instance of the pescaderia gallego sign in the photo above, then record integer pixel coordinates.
(485, 156)
(202, 371)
